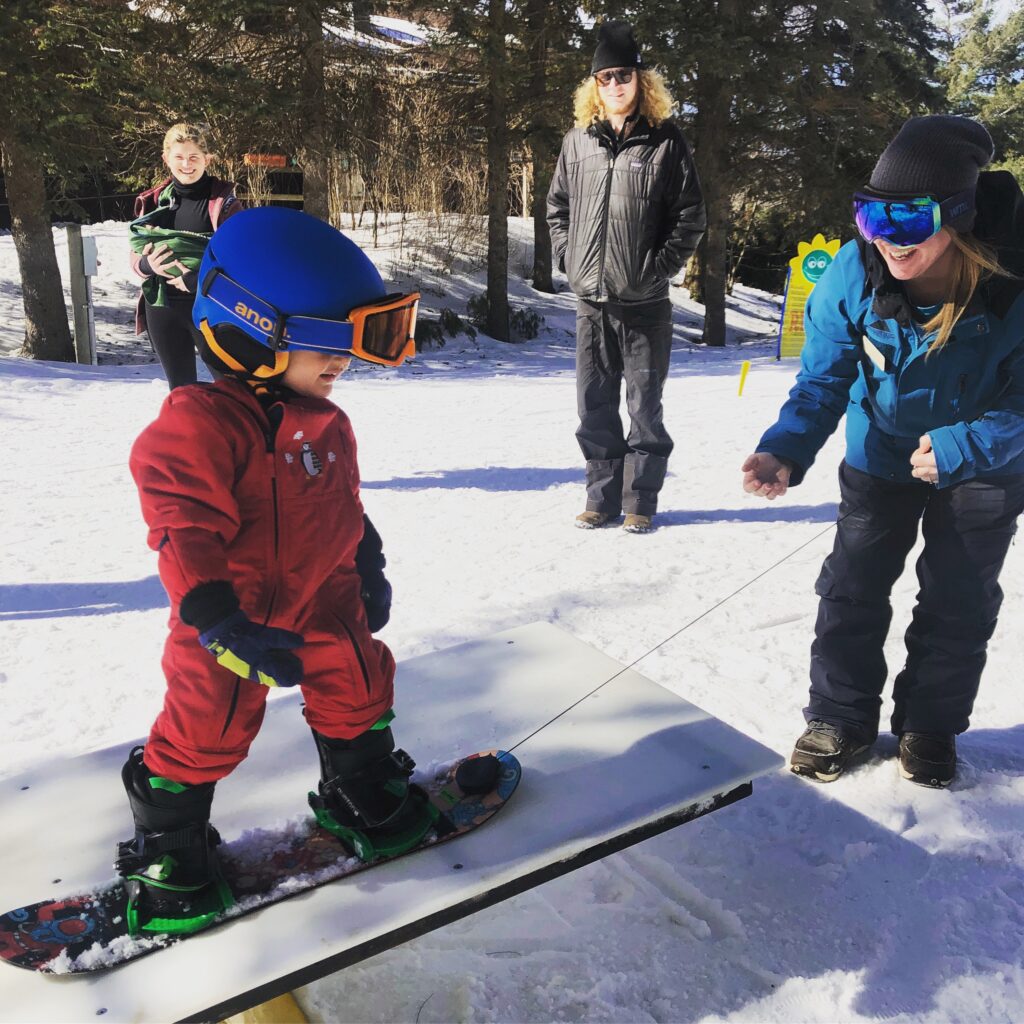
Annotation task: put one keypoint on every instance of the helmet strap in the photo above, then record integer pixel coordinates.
(261, 374)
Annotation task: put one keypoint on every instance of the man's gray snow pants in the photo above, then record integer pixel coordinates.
(614, 342)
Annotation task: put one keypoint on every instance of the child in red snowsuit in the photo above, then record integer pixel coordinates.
(255, 505)
(250, 490)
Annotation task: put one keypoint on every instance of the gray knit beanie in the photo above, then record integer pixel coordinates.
(939, 155)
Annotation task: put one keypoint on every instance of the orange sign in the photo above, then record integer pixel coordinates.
(265, 160)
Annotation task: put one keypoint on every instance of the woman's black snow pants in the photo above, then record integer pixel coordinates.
(967, 529)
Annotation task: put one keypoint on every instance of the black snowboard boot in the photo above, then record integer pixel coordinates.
(365, 797)
(170, 867)
(928, 760)
(823, 752)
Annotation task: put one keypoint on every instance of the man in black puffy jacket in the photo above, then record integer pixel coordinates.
(626, 212)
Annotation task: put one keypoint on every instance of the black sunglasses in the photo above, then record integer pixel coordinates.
(621, 75)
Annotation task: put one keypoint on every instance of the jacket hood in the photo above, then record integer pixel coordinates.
(1000, 221)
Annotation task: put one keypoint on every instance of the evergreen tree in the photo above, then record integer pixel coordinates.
(474, 43)
(312, 113)
(496, 64)
(67, 75)
(985, 75)
(274, 75)
(553, 64)
(785, 103)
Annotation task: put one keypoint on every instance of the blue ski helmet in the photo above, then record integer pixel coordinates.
(267, 264)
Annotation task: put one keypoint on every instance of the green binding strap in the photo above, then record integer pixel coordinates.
(367, 849)
(213, 899)
(159, 782)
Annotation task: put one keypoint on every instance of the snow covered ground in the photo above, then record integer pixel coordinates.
(866, 900)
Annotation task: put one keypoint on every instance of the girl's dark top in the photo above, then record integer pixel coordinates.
(192, 212)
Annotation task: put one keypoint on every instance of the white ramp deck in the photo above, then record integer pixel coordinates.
(626, 763)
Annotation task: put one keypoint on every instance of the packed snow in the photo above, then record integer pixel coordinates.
(869, 899)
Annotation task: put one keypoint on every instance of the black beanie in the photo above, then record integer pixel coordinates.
(616, 47)
(939, 155)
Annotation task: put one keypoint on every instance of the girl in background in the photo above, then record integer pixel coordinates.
(174, 221)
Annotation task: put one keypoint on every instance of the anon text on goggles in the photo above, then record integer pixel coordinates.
(621, 75)
(907, 221)
(378, 332)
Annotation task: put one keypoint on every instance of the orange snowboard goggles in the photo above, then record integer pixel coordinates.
(381, 332)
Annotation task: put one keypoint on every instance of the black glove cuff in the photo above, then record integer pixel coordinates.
(370, 558)
(209, 603)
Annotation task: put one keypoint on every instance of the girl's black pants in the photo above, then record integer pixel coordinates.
(174, 338)
(967, 530)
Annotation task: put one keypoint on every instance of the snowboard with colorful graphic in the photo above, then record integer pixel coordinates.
(89, 931)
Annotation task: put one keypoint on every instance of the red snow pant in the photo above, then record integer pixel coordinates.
(211, 716)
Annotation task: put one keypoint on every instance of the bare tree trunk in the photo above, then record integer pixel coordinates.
(539, 140)
(715, 270)
(711, 145)
(316, 176)
(497, 175)
(361, 11)
(745, 226)
(714, 99)
(543, 168)
(694, 279)
(47, 335)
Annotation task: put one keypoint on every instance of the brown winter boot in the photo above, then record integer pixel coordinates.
(592, 520)
(637, 524)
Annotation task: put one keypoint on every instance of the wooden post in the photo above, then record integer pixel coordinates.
(89, 258)
(81, 293)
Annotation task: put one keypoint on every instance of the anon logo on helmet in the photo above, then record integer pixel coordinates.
(253, 317)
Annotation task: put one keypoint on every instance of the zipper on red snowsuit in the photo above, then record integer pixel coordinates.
(269, 450)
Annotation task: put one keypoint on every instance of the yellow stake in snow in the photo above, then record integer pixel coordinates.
(744, 370)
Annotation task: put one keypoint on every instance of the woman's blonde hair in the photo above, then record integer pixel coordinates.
(974, 262)
(185, 131)
(656, 103)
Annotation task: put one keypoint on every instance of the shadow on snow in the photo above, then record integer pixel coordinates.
(57, 600)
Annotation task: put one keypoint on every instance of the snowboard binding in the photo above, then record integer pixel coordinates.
(365, 797)
(171, 875)
(166, 895)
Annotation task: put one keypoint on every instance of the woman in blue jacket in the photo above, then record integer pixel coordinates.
(916, 333)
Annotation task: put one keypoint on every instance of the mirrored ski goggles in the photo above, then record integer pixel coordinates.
(907, 221)
(379, 332)
(621, 75)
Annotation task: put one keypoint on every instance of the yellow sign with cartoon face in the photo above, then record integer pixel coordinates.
(805, 270)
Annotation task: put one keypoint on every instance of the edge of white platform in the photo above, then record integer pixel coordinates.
(587, 854)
